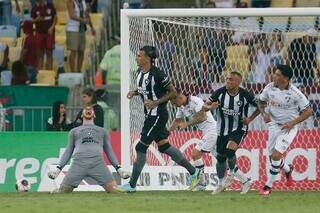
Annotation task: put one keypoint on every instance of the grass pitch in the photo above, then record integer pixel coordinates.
(164, 201)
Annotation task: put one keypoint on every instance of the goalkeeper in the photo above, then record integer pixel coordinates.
(87, 142)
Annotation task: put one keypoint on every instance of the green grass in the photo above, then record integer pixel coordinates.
(165, 202)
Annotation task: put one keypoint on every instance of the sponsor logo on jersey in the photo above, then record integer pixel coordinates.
(142, 91)
(231, 112)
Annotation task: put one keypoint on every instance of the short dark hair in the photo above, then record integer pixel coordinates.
(285, 70)
(236, 73)
(90, 92)
(150, 51)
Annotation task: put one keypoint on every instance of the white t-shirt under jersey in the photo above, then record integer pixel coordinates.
(195, 105)
(284, 105)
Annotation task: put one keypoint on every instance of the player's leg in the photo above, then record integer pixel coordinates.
(103, 176)
(281, 144)
(141, 153)
(221, 164)
(206, 145)
(234, 140)
(75, 175)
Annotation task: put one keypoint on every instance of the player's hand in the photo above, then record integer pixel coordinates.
(288, 125)
(183, 125)
(246, 121)
(150, 104)
(53, 174)
(206, 107)
(123, 174)
(131, 94)
(266, 118)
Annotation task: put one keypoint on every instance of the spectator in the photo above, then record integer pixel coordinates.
(76, 32)
(29, 49)
(59, 121)
(261, 63)
(43, 14)
(277, 50)
(89, 99)
(303, 57)
(92, 5)
(110, 65)
(203, 69)
(5, 57)
(19, 74)
(6, 11)
(247, 27)
(110, 117)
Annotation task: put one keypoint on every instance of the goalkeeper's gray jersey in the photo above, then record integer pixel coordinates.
(88, 142)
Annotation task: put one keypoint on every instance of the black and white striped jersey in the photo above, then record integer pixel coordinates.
(152, 85)
(232, 109)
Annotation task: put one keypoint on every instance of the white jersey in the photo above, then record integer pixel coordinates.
(209, 126)
(284, 105)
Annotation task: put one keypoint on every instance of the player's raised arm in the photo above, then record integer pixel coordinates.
(107, 148)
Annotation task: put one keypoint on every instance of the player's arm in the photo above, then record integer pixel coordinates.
(251, 100)
(175, 124)
(68, 152)
(197, 118)
(107, 148)
(262, 103)
(306, 113)
(212, 102)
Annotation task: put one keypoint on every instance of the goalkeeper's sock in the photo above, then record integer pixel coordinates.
(177, 157)
(137, 168)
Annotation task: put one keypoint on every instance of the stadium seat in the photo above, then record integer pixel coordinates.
(271, 23)
(8, 31)
(14, 54)
(10, 41)
(60, 5)
(301, 23)
(292, 35)
(46, 77)
(70, 79)
(62, 17)
(282, 3)
(5, 78)
(238, 59)
(308, 3)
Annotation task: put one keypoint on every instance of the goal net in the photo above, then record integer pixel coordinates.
(196, 49)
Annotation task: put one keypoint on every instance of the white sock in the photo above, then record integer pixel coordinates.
(198, 163)
(286, 167)
(240, 175)
(273, 172)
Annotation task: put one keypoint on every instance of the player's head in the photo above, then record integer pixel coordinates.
(89, 97)
(282, 75)
(179, 100)
(88, 113)
(233, 80)
(146, 55)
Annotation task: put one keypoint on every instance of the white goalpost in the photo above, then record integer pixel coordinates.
(196, 48)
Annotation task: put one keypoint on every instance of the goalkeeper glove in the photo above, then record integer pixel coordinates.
(53, 174)
(123, 174)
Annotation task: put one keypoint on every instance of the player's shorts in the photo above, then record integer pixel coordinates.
(80, 170)
(222, 141)
(280, 139)
(45, 41)
(76, 41)
(154, 129)
(208, 143)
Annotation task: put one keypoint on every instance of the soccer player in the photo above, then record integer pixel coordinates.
(87, 142)
(232, 103)
(191, 107)
(155, 89)
(287, 107)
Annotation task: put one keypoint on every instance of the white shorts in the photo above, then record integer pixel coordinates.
(280, 139)
(208, 143)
